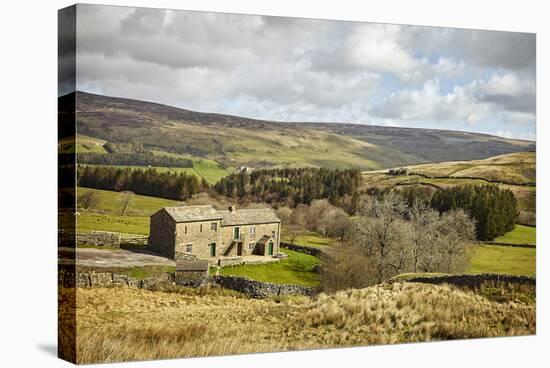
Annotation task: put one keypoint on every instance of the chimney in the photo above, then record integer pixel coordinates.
(232, 208)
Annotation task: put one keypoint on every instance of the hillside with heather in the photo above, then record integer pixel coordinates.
(238, 141)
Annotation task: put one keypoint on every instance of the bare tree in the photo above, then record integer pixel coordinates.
(383, 235)
(346, 266)
(284, 214)
(424, 229)
(299, 215)
(88, 199)
(334, 222)
(390, 238)
(125, 200)
(457, 231)
(293, 232)
(314, 213)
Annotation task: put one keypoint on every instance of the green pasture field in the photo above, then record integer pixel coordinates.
(520, 235)
(109, 201)
(87, 222)
(502, 259)
(310, 239)
(296, 269)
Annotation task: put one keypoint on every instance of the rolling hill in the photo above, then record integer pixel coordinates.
(519, 168)
(514, 171)
(234, 141)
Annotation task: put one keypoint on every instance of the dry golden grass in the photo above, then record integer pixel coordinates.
(519, 167)
(116, 324)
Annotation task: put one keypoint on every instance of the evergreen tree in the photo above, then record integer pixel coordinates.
(494, 210)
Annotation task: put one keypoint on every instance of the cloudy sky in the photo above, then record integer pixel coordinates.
(293, 69)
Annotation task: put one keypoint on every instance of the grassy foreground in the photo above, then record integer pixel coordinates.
(117, 324)
(296, 269)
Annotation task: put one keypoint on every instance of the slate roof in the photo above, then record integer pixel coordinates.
(264, 239)
(251, 216)
(229, 218)
(193, 213)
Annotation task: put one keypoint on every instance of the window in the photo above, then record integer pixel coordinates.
(186, 229)
(189, 248)
(273, 234)
(251, 246)
(252, 230)
(201, 228)
(214, 226)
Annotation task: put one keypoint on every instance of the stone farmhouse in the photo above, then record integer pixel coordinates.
(204, 232)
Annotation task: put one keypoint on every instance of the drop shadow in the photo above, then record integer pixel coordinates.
(50, 349)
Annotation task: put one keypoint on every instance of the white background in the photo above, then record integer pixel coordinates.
(28, 146)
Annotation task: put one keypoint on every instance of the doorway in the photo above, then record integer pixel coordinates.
(212, 249)
(239, 248)
(270, 249)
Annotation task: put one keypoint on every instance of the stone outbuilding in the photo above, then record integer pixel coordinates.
(203, 232)
(191, 273)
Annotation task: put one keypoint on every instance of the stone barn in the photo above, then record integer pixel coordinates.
(191, 273)
(203, 232)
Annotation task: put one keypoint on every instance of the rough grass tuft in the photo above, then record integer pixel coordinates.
(116, 324)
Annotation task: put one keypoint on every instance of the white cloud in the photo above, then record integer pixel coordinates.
(509, 134)
(429, 103)
(375, 47)
(278, 68)
(508, 84)
(511, 51)
(510, 92)
(504, 96)
(380, 48)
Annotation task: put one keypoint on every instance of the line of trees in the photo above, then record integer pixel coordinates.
(291, 185)
(133, 159)
(120, 147)
(389, 238)
(494, 210)
(177, 186)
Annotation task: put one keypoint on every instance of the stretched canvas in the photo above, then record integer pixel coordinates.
(235, 184)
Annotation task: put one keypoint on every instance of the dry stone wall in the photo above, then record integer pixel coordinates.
(474, 280)
(67, 278)
(99, 238)
(259, 289)
(191, 278)
(312, 251)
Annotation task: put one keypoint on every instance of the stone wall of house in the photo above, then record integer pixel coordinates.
(312, 251)
(162, 230)
(472, 281)
(249, 239)
(259, 289)
(200, 236)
